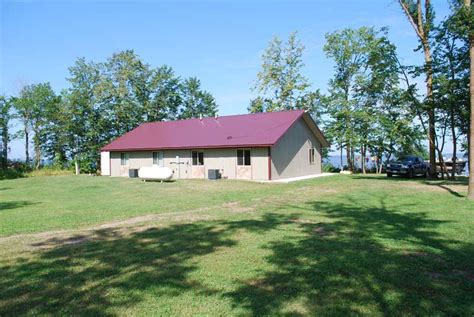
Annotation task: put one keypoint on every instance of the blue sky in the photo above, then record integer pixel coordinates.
(220, 42)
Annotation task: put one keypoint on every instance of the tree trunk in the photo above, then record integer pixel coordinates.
(431, 138)
(452, 116)
(440, 149)
(471, 125)
(362, 152)
(442, 165)
(422, 30)
(27, 143)
(342, 163)
(77, 167)
(429, 88)
(468, 147)
(386, 161)
(37, 154)
(353, 159)
(5, 147)
(470, 194)
(453, 135)
(348, 158)
(431, 111)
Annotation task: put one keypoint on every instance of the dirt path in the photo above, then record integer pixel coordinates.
(189, 215)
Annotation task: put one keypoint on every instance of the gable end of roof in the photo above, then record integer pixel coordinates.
(315, 129)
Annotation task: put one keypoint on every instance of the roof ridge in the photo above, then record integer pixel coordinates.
(227, 116)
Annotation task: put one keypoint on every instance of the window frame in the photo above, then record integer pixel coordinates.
(199, 159)
(158, 159)
(124, 159)
(242, 160)
(312, 156)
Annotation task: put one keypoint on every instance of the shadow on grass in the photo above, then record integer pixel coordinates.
(449, 190)
(366, 258)
(440, 183)
(82, 275)
(15, 204)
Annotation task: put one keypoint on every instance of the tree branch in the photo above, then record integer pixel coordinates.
(420, 18)
(410, 18)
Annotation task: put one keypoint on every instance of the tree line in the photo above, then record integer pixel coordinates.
(372, 104)
(103, 101)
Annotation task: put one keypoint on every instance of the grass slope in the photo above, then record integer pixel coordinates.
(330, 246)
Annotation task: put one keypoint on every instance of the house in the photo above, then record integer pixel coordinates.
(260, 146)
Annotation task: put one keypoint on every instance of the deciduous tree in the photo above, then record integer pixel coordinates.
(165, 95)
(195, 102)
(421, 16)
(31, 107)
(280, 82)
(85, 124)
(466, 13)
(451, 84)
(5, 118)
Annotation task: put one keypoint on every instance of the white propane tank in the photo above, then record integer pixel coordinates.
(158, 173)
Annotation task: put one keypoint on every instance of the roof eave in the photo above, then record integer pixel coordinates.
(315, 129)
(238, 146)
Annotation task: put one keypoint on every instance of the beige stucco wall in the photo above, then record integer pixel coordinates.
(290, 156)
(224, 160)
(182, 170)
(136, 160)
(259, 160)
(114, 164)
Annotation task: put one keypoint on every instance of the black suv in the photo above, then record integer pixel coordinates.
(410, 166)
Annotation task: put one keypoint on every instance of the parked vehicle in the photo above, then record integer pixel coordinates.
(409, 165)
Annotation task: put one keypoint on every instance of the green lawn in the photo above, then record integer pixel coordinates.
(337, 245)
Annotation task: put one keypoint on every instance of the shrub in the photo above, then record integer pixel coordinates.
(329, 168)
(10, 173)
(17, 169)
(50, 171)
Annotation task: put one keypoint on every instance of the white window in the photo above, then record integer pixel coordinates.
(124, 158)
(311, 156)
(243, 157)
(158, 158)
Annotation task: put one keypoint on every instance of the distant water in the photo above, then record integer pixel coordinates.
(335, 160)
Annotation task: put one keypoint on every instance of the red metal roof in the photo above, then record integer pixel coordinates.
(249, 130)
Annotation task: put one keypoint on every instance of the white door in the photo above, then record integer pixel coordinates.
(105, 163)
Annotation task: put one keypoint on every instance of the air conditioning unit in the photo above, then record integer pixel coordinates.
(133, 172)
(213, 174)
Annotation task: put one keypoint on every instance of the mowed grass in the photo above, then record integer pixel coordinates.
(339, 245)
(68, 202)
